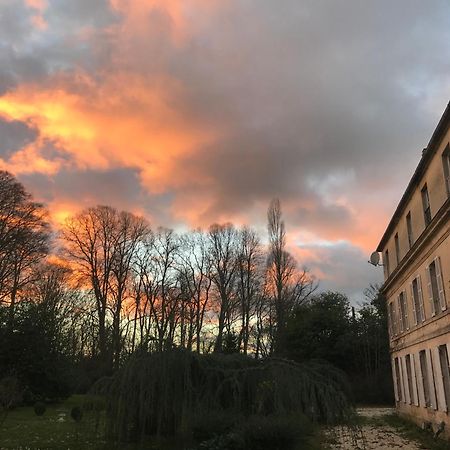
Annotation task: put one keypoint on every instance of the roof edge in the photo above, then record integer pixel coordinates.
(427, 155)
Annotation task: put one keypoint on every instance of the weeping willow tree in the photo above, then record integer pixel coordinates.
(162, 393)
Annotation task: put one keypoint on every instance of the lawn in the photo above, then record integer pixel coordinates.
(56, 430)
(23, 429)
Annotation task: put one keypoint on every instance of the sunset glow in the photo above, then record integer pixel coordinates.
(201, 111)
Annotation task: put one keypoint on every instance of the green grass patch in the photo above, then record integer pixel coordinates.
(55, 429)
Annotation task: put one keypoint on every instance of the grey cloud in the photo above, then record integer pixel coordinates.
(346, 268)
(296, 89)
(310, 88)
(13, 136)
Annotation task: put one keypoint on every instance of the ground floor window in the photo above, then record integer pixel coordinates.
(443, 357)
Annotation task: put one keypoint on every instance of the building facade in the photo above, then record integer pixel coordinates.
(415, 251)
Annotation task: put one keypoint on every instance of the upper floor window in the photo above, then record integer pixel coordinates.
(386, 263)
(426, 205)
(446, 164)
(397, 249)
(409, 230)
(436, 287)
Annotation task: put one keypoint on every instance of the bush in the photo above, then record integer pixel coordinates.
(158, 394)
(216, 423)
(228, 441)
(40, 408)
(76, 413)
(275, 432)
(10, 396)
(10, 393)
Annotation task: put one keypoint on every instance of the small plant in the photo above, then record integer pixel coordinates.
(275, 432)
(207, 426)
(10, 396)
(40, 408)
(88, 405)
(224, 442)
(76, 413)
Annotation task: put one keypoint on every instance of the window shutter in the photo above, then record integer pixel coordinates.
(420, 382)
(438, 380)
(394, 377)
(395, 318)
(400, 315)
(440, 283)
(430, 292)
(405, 380)
(419, 290)
(414, 379)
(405, 307)
(402, 378)
(431, 379)
(391, 328)
(413, 302)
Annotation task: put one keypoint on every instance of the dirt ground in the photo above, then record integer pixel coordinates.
(369, 437)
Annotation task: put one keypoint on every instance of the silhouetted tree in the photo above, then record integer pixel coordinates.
(101, 243)
(24, 239)
(223, 249)
(285, 284)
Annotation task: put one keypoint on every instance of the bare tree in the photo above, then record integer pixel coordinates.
(223, 253)
(160, 289)
(24, 238)
(286, 284)
(195, 275)
(250, 281)
(102, 242)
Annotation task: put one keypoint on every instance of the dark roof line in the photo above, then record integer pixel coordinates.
(427, 155)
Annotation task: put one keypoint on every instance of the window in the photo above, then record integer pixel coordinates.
(397, 249)
(426, 205)
(446, 164)
(403, 310)
(425, 378)
(409, 229)
(443, 358)
(417, 301)
(386, 263)
(398, 380)
(436, 292)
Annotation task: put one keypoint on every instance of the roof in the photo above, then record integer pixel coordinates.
(427, 156)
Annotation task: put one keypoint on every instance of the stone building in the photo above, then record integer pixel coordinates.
(416, 258)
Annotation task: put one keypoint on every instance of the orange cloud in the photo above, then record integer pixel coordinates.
(124, 121)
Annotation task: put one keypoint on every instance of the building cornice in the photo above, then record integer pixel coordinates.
(427, 156)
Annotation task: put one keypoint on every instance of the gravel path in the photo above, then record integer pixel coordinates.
(369, 437)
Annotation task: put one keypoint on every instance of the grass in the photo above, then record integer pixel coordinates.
(56, 430)
(23, 429)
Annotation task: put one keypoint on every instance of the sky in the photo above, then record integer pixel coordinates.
(193, 112)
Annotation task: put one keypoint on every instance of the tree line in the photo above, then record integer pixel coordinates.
(77, 302)
(114, 285)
